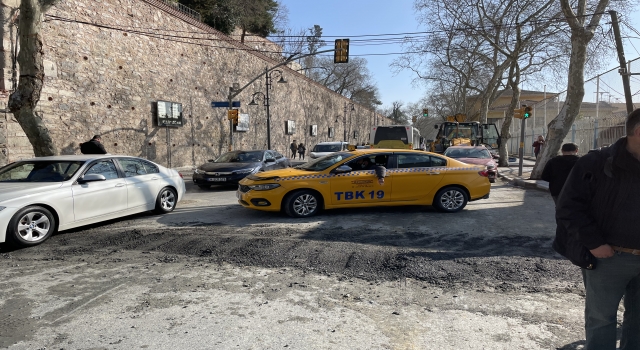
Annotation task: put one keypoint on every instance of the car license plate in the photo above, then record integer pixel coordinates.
(219, 179)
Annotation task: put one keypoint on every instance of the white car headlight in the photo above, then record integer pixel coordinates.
(199, 171)
(264, 187)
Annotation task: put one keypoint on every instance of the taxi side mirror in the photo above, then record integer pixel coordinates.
(342, 169)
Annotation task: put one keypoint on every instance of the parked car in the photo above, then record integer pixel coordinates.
(42, 195)
(324, 148)
(234, 166)
(475, 155)
(351, 179)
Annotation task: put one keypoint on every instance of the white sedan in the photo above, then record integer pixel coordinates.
(42, 195)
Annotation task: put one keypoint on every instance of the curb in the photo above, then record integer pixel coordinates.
(526, 184)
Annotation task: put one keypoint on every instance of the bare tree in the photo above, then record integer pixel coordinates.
(583, 29)
(23, 101)
(351, 80)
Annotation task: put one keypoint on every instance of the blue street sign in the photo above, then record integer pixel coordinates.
(225, 104)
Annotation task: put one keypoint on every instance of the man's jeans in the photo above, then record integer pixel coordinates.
(605, 285)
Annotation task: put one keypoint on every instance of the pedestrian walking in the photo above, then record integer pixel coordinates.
(558, 168)
(93, 146)
(537, 145)
(599, 230)
(294, 149)
(301, 150)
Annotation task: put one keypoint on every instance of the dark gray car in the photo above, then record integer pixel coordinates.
(234, 166)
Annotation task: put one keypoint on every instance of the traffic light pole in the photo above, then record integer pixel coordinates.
(521, 149)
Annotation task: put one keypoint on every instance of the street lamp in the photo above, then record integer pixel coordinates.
(345, 119)
(265, 98)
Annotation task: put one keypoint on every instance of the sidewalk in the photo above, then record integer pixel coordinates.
(510, 174)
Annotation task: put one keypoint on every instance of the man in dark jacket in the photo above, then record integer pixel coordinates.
(93, 146)
(558, 168)
(598, 211)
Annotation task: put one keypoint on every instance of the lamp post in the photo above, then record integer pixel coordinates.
(346, 139)
(265, 98)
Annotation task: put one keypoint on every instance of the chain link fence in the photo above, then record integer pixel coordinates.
(588, 133)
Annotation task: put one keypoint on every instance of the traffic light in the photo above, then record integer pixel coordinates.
(528, 113)
(341, 53)
(425, 112)
(518, 113)
(232, 115)
(414, 119)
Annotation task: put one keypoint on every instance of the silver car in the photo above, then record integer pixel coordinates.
(324, 148)
(42, 195)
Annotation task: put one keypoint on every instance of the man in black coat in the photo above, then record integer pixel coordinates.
(93, 146)
(558, 168)
(598, 215)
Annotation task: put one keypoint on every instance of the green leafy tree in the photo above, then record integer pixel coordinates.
(251, 16)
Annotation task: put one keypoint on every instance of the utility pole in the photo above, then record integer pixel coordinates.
(623, 63)
(523, 127)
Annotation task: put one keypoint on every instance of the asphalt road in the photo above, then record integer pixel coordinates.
(213, 275)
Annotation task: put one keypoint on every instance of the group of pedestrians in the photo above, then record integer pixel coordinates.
(298, 149)
(597, 198)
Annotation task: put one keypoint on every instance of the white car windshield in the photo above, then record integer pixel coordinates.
(325, 162)
(39, 171)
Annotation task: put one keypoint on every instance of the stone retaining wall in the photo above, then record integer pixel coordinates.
(108, 62)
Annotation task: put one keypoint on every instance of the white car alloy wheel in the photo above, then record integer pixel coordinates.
(451, 199)
(166, 200)
(31, 226)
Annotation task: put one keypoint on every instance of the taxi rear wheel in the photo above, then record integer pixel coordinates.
(302, 204)
(450, 199)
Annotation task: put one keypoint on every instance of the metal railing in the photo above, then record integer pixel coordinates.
(587, 133)
(187, 11)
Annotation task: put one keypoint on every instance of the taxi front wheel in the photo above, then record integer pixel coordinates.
(450, 199)
(302, 204)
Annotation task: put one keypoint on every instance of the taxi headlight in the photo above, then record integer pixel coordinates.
(264, 187)
(199, 171)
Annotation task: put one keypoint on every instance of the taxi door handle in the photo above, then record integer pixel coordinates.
(433, 173)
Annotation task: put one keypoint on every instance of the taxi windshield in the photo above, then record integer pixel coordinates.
(325, 162)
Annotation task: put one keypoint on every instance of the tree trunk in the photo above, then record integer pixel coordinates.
(505, 134)
(23, 101)
(560, 125)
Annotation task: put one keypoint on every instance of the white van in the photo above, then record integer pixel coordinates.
(324, 148)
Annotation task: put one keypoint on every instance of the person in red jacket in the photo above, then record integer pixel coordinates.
(537, 145)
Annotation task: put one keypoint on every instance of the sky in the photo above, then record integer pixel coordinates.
(349, 18)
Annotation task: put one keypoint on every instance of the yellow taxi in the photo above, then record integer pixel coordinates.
(366, 178)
